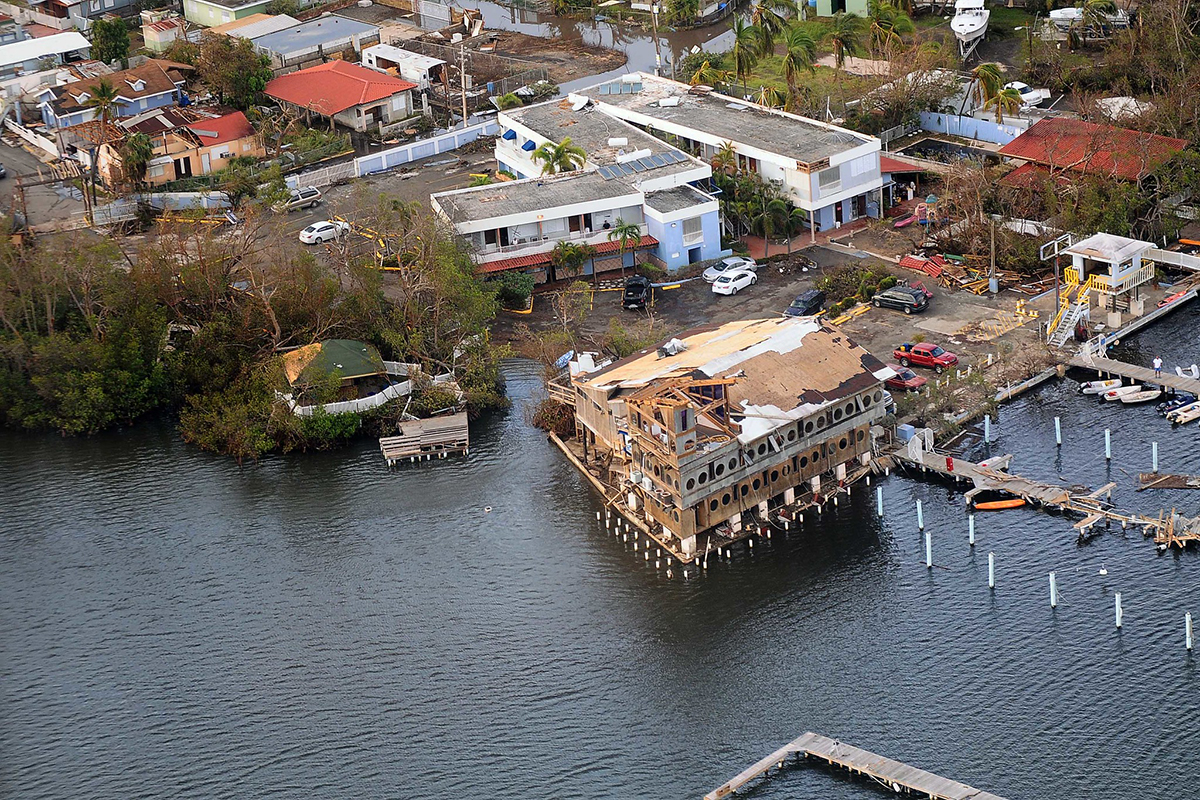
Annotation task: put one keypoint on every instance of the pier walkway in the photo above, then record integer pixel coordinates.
(894, 775)
(1144, 375)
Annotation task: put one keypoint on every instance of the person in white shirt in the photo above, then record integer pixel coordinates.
(1157, 367)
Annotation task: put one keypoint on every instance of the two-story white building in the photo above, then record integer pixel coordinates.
(831, 173)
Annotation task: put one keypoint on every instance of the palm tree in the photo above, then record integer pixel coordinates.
(103, 98)
(845, 34)
(561, 157)
(1095, 13)
(707, 74)
(770, 17)
(507, 101)
(1007, 99)
(770, 97)
(770, 213)
(888, 23)
(135, 155)
(725, 160)
(746, 48)
(988, 77)
(800, 54)
(628, 235)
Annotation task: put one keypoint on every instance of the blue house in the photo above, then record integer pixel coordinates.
(154, 84)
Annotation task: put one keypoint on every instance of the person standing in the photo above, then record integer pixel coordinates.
(1157, 367)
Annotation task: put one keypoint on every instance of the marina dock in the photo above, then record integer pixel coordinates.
(894, 775)
(1168, 529)
(1143, 375)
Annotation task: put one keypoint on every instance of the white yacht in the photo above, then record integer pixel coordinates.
(1067, 18)
(970, 22)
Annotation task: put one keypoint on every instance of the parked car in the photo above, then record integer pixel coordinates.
(637, 292)
(925, 354)
(733, 280)
(3, 172)
(905, 380)
(806, 304)
(725, 264)
(305, 197)
(905, 298)
(889, 402)
(324, 231)
(1030, 96)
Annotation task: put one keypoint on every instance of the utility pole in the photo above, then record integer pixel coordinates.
(657, 43)
(462, 78)
(993, 286)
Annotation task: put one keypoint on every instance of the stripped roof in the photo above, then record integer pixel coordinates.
(786, 368)
(335, 86)
(254, 25)
(1088, 148)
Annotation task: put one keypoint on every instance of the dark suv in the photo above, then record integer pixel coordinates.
(806, 304)
(637, 292)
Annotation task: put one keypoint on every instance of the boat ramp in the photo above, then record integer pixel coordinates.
(894, 775)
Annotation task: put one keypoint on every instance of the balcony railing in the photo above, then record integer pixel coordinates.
(547, 242)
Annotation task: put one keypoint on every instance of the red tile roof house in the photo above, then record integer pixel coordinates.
(1063, 148)
(354, 96)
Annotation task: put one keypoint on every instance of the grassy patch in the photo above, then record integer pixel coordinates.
(825, 81)
(1004, 22)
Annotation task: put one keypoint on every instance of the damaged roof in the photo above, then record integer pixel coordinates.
(786, 367)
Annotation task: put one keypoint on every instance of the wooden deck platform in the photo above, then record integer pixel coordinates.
(1144, 375)
(426, 438)
(1159, 480)
(894, 775)
(1094, 505)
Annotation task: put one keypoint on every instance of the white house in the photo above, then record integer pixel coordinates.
(30, 55)
(831, 173)
(413, 67)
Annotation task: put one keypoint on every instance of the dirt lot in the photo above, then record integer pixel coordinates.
(565, 59)
(970, 325)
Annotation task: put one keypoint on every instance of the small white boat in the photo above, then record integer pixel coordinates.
(1144, 396)
(1122, 391)
(1187, 416)
(1099, 387)
(970, 21)
(1186, 411)
(1066, 18)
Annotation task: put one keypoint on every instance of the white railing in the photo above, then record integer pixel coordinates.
(357, 406)
(548, 242)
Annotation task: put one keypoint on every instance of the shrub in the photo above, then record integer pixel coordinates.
(513, 289)
(554, 417)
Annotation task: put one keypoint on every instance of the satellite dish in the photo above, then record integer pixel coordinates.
(578, 101)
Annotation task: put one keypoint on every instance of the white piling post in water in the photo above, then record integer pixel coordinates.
(1053, 591)
(920, 517)
(879, 500)
(1058, 431)
(971, 529)
(1187, 630)
(928, 550)
(991, 570)
(1117, 609)
(1154, 456)
(597, 516)
(1108, 444)
(987, 428)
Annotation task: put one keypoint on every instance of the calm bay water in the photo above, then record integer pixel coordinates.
(172, 625)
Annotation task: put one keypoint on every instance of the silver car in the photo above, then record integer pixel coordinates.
(725, 264)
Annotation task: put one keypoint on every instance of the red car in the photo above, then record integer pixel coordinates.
(905, 380)
(925, 355)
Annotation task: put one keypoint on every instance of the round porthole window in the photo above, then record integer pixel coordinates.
(756, 484)
(720, 470)
(691, 484)
(712, 504)
(775, 475)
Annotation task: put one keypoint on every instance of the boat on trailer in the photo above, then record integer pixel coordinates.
(969, 24)
(1099, 387)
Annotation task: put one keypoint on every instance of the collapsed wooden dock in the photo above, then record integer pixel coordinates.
(421, 439)
(894, 775)
(1095, 505)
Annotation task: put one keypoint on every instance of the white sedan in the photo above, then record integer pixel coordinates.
(1030, 96)
(734, 279)
(325, 231)
(725, 264)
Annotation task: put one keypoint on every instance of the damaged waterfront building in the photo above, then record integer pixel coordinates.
(701, 438)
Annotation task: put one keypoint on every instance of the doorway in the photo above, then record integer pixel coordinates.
(693, 255)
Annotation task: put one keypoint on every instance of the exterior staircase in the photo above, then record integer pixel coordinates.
(1074, 304)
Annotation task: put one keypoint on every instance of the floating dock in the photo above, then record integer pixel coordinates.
(1167, 529)
(427, 438)
(894, 775)
(1143, 375)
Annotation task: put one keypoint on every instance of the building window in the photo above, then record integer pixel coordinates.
(693, 230)
(830, 179)
(156, 171)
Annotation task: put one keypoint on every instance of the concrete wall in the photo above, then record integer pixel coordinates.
(398, 156)
(972, 128)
